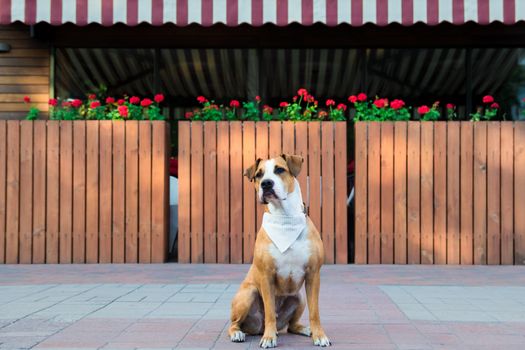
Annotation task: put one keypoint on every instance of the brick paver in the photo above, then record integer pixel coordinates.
(174, 306)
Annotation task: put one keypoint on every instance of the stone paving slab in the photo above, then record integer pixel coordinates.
(362, 307)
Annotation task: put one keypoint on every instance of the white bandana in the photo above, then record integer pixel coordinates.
(283, 230)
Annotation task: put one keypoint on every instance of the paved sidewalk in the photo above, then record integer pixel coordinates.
(174, 306)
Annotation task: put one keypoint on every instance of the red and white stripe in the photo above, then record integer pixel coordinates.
(259, 12)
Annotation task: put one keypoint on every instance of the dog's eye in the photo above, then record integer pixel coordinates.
(259, 174)
(279, 171)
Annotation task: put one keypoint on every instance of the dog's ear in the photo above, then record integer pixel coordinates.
(294, 163)
(250, 172)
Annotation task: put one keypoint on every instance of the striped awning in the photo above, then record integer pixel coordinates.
(259, 12)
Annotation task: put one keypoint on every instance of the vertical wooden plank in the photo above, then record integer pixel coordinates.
(519, 199)
(132, 190)
(427, 192)
(387, 193)
(275, 137)
(223, 192)
(249, 209)
(453, 192)
(118, 192)
(413, 192)
(374, 192)
(507, 193)
(66, 192)
(92, 191)
(341, 215)
(467, 195)
(79, 191)
(210, 192)
(26, 192)
(360, 191)
(144, 192)
(52, 188)
(440, 193)
(261, 151)
(197, 192)
(493, 193)
(314, 173)
(12, 191)
(159, 195)
(3, 169)
(184, 192)
(105, 200)
(480, 193)
(39, 192)
(327, 188)
(236, 184)
(301, 149)
(400, 193)
(288, 138)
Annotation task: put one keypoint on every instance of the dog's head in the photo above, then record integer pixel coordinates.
(274, 178)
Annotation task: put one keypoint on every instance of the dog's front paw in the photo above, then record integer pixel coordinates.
(321, 340)
(268, 341)
(238, 337)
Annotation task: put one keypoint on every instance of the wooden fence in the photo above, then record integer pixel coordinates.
(440, 193)
(218, 213)
(83, 192)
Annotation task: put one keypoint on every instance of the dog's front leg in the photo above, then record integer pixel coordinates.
(269, 338)
(312, 286)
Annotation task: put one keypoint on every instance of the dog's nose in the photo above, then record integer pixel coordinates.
(267, 184)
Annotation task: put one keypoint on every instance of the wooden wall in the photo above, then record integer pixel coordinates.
(25, 70)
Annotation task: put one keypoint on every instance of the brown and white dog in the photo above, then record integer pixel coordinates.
(269, 298)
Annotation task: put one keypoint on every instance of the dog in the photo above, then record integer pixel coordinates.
(288, 253)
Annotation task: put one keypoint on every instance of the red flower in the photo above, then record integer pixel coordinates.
(134, 100)
(397, 104)
(53, 102)
(488, 99)
(159, 98)
(361, 97)
(95, 104)
(450, 106)
(352, 99)
(495, 105)
(110, 100)
(330, 102)
(341, 106)
(146, 102)
(294, 98)
(258, 98)
(202, 99)
(66, 104)
(27, 99)
(302, 92)
(76, 103)
(381, 102)
(92, 96)
(310, 98)
(121, 101)
(234, 104)
(283, 104)
(423, 110)
(123, 111)
(188, 115)
(267, 109)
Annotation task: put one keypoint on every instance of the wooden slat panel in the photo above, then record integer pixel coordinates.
(387, 193)
(79, 191)
(327, 181)
(118, 192)
(3, 168)
(132, 191)
(197, 192)
(249, 209)
(53, 190)
(39, 191)
(453, 192)
(223, 193)
(66, 192)
(480, 193)
(440, 193)
(236, 184)
(145, 192)
(519, 199)
(374, 192)
(314, 173)
(427, 192)
(274, 140)
(105, 189)
(467, 168)
(288, 137)
(26, 192)
(361, 186)
(261, 151)
(301, 149)
(92, 191)
(340, 165)
(400, 195)
(507, 193)
(12, 191)
(184, 192)
(210, 192)
(493, 194)
(160, 195)
(413, 192)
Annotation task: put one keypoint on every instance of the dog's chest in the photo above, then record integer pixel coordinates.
(292, 263)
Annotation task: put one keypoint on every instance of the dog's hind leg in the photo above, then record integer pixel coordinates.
(294, 326)
(241, 305)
